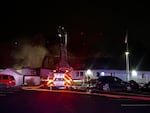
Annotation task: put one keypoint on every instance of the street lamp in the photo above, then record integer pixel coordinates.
(102, 73)
(127, 57)
(134, 73)
(89, 72)
(127, 65)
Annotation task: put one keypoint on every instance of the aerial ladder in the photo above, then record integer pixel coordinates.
(62, 76)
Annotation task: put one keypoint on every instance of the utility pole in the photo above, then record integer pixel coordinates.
(127, 58)
(63, 62)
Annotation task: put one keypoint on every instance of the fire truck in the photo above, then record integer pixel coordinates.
(60, 80)
(62, 76)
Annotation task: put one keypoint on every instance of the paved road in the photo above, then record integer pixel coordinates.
(28, 101)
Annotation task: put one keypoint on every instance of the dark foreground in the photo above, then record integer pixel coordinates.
(61, 102)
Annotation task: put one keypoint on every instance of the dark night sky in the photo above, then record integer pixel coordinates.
(92, 26)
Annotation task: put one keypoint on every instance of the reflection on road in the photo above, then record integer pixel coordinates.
(98, 94)
(64, 101)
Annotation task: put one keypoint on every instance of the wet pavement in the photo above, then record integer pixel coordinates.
(63, 101)
(60, 101)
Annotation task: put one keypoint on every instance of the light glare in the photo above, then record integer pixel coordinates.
(102, 73)
(89, 72)
(134, 73)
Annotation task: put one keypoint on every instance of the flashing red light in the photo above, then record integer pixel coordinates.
(67, 71)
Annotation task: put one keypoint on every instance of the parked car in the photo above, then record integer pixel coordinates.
(146, 87)
(134, 85)
(7, 81)
(112, 83)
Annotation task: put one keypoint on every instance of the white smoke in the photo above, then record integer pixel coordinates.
(30, 56)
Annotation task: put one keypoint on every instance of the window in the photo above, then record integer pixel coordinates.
(142, 75)
(12, 78)
(77, 74)
(5, 77)
(97, 74)
(117, 79)
(81, 73)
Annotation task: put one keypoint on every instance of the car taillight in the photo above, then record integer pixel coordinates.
(11, 83)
